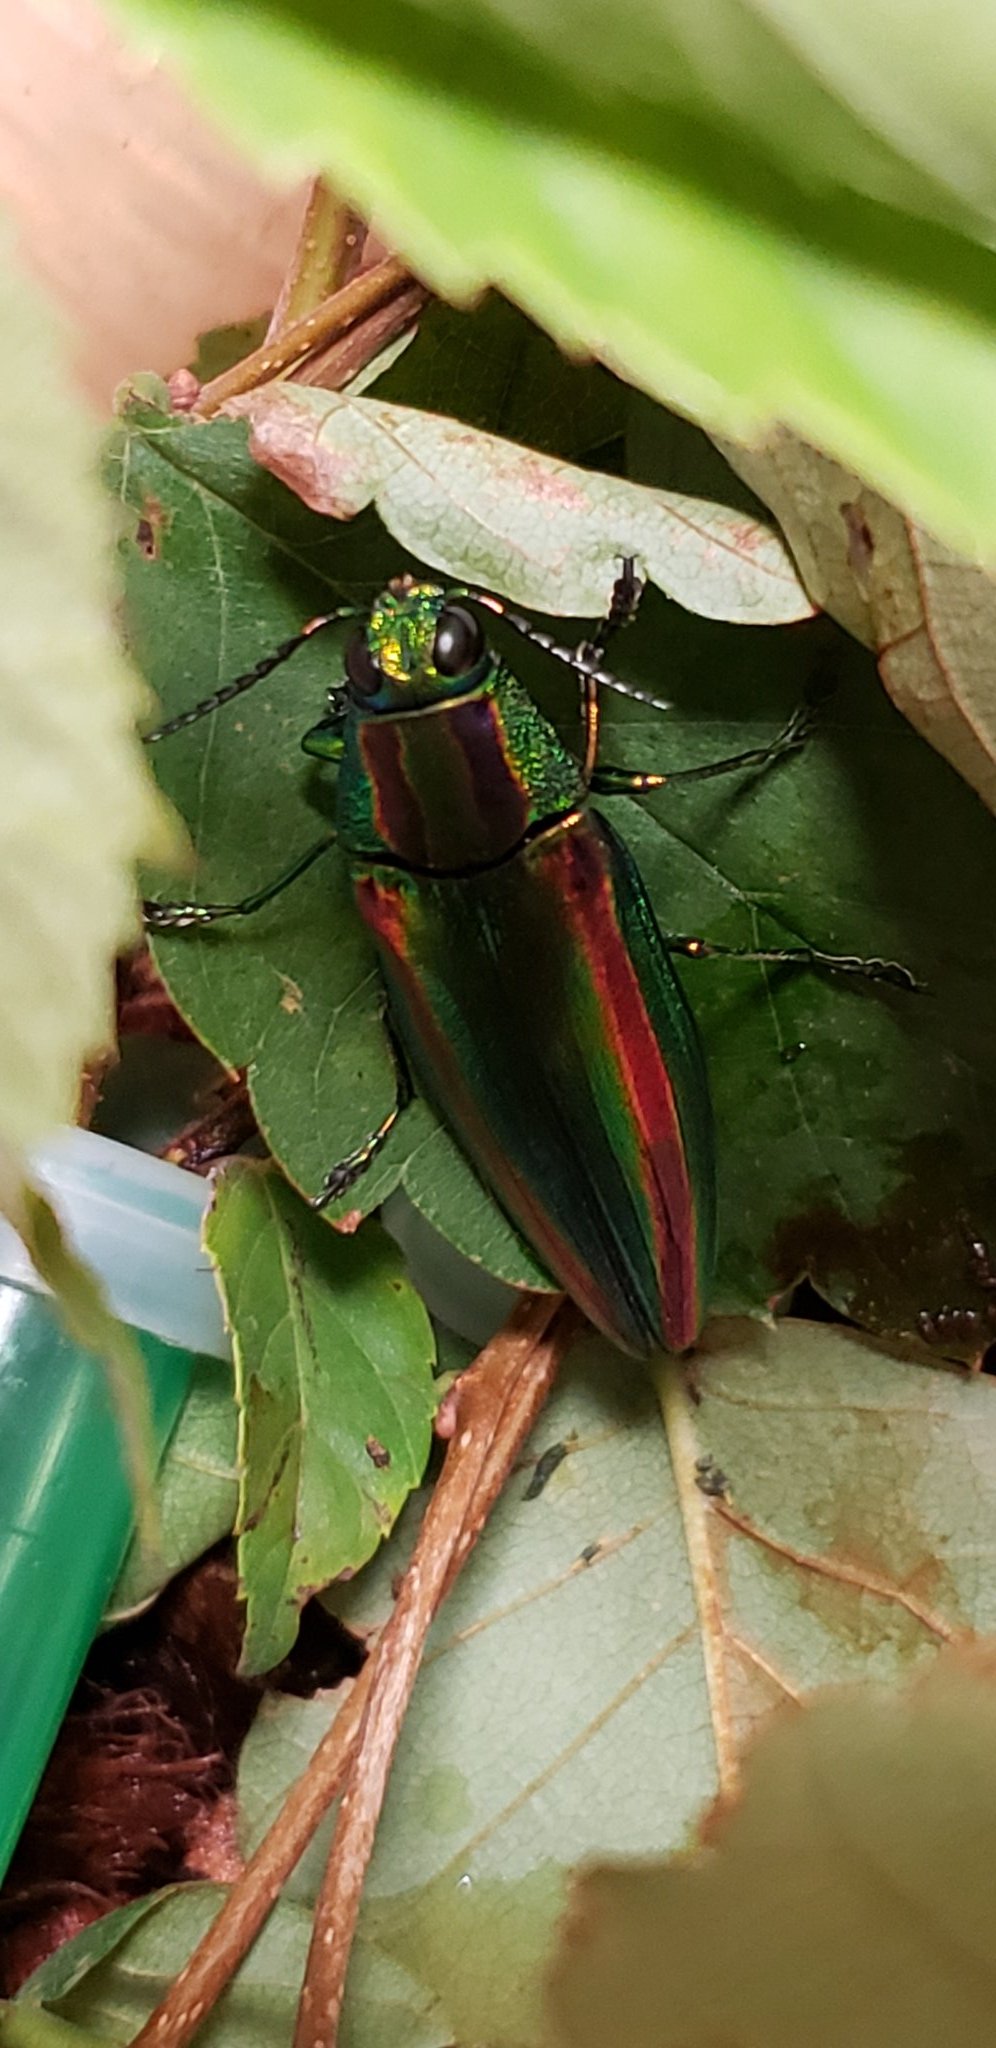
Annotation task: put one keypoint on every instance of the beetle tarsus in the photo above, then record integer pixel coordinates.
(174, 917)
(339, 1180)
(624, 603)
(342, 1177)
(892, 972)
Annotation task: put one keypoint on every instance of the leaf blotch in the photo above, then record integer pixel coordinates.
(149, 529)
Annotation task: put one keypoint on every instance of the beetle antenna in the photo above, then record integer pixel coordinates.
(583, 659)
(239, 684)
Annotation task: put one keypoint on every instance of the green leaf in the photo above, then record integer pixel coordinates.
(78, 804)
(848, 1134)
(501, 374)
(852, 1120)
(486, 511)
(23, 2026)
(841, 1902)
(564, 1712)
(754, 212)
(196, 1491)
(72, 1963)
(333, 1356)
(111, 1976)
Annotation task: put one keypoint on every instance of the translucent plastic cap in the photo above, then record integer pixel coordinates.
(137, 1222)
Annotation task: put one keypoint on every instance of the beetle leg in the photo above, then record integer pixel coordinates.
(341, 1177)
(584, 659)
(160, 917)
(890, 971)
(609, 781)
(239, 684)
(624, 604)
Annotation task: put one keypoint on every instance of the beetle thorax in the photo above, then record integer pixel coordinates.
(454, 785)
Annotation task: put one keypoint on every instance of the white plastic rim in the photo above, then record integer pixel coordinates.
(137, 1222)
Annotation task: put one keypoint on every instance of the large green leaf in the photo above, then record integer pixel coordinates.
(333, 1358)
(616, 1637)
(754, 209)
(110, 1977)
(852, 1120)
(842, 1903)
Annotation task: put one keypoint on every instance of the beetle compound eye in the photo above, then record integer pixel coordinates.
(459, 642)
(365, 678)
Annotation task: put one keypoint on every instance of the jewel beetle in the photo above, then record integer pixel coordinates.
(530, 991)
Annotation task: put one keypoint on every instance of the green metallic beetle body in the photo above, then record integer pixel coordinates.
(528, 983)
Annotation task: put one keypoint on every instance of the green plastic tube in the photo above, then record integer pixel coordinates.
(65, 1504)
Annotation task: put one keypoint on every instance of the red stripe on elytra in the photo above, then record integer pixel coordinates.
(589, 899)
(398, 814)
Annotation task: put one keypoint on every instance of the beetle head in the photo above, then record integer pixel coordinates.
(418, 646)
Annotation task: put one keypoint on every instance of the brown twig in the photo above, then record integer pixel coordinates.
(201, 1982)
(526, 1398)
(496, 1402)
(324, 258)
(193, 1994)
(344, 309)
(343, 360)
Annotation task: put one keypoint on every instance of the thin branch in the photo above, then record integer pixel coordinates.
(196, 1990)
(495, 1406)
(329, 240)
(356, 301)
(226, 1124)
(342, 360)
(194, 1993)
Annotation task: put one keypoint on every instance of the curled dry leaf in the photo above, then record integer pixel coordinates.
(543, 531)
(929, 613)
